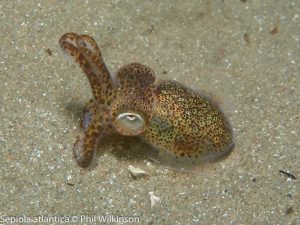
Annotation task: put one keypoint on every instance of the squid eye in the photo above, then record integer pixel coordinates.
(129, 123)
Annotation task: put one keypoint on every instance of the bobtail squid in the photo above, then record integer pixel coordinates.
(185, 127)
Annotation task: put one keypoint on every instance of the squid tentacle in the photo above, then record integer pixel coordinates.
(88, 55)
(89, 43)
(99, 69)
(90, 60)
(93, 52)
(85, 148)
(80, 58)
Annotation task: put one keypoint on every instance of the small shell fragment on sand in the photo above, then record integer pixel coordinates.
(136, 172)
(153, 199)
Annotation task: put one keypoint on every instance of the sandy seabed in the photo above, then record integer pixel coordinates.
(246, 53)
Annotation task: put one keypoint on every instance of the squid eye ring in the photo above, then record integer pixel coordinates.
(129, 123)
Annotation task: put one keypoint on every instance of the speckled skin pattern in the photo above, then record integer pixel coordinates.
(185, 127)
